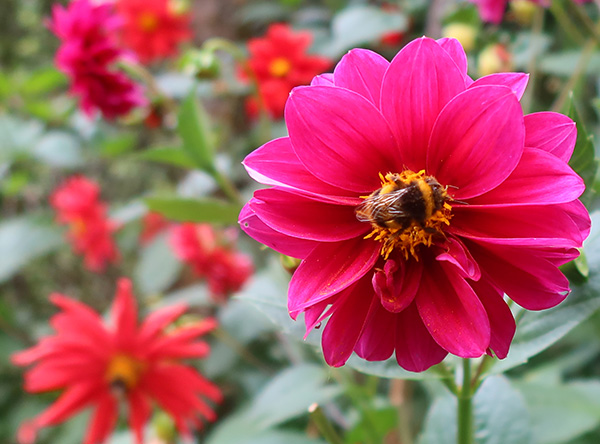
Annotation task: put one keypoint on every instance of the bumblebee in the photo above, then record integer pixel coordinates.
(403, 200)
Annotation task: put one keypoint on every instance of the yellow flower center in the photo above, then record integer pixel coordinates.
(78, 227)
(280, 67)
(409, 210)
(124, 372)
(148, 22)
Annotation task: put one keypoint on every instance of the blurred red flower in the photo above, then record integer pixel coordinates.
(280, 61)
(100, 364)
(152, 224)
(88, 53)
(212, 255)
(78, 205)
(153, 28)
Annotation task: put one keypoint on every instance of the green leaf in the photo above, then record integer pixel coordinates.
(440, 422)
(24, 239)
(561, 63)
(583, 159)
(286, 396)
(43, 81)
(118, 144)
(537, 330)
(500, 416)
(360, 24)
(194, 128)
(195, 210)
(561, 412)
(158, 268)
(167, 155)
(374, 426)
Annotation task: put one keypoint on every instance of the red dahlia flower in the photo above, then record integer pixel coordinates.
(280, 62)
(416, 198)
(212, 255)
(77, 204)
(493, 10)
(100, 364)
(87, 55)
(153, 28)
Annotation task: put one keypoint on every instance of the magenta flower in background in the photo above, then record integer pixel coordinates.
(493, 10)
(416, 198)
(88, 52)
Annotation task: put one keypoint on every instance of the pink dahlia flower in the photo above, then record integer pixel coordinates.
(102, 364)
(89, 49)
(416, 198)
(493, 10)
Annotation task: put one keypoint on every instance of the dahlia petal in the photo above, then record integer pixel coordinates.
(452, 312)
(304, 218)
(361, 71)
(527, 277)
(375, 342)
(104, 420)
(80, 317)
(329, 269)
(139, 414)
(313, 315)
(516, 81)
(502, 322)
(68, 404)
(477, 140)
(579, 215)
(552, 132)
(458, 255)
(346, 323)
(323, 80)
(457, 53)
(416, 350)
(124, 313)
(284, 244)
(276, 164)
(539, 178)
(419, 82)
(397, 284)
(547, 225)
(156, 321)
(340, 137)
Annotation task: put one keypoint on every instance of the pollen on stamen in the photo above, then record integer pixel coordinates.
(406, 233)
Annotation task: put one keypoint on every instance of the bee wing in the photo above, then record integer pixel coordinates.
(376, 207)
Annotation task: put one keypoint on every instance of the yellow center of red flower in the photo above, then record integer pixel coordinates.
(147, 21)
(124, 372)
(409, 210)
(280, 67)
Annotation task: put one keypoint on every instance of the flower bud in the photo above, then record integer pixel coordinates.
(164, 427)
(523, 11)
(290, 263)
(465, 33)
(203, 64)
(494, 58)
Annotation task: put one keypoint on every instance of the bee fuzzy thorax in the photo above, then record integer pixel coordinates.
(410, 209)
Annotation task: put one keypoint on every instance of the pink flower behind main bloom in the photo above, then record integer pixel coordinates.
(89, 49)
(493, 10)
(103, 364)
(492, 206)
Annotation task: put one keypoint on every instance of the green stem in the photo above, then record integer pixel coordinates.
(227, 186)
(324, 425)
(447, 378)
(580, 68)
(561, 16)
(465, 407)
